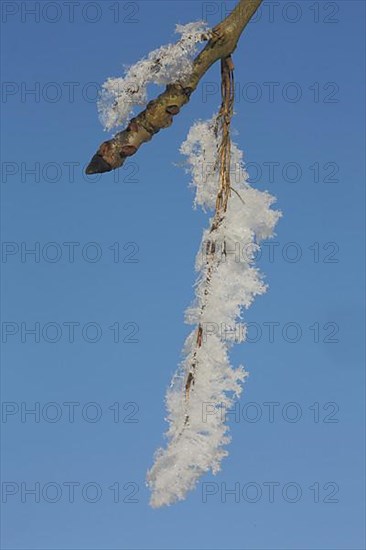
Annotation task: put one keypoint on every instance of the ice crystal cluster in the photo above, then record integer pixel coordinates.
(197, 446)
(170, 63)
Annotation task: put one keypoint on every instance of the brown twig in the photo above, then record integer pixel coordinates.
(159, 113)
(223, 124)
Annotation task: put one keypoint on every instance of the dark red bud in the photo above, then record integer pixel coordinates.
(133, 126)
(172, 109)
(128, 150)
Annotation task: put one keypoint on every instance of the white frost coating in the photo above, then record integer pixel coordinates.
(233, 285)
(167, 64)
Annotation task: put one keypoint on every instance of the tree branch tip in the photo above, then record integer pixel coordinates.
(97, 165)
(159, 112)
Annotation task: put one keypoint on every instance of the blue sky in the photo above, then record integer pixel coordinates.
(113, 272)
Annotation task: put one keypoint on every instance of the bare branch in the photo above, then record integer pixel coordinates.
(159, 113)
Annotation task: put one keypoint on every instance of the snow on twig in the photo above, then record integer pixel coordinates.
(170, 63)
(227, 284)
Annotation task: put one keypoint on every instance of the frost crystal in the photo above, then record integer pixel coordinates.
(167, 64)
(195, 447)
